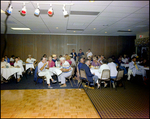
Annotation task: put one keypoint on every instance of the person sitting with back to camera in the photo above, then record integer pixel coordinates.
(90, 77)
(103, 67)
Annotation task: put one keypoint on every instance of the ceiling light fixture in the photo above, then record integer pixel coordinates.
(92, 1)
(20, 28)
(50, 11)
(37, 11)
(9, 9)
(56, 27)
(65, 13)
(23, 11)
(74, 31)
(105, 32)
(2, 11)
(94, 28)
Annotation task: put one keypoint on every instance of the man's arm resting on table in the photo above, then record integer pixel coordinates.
(65, 70)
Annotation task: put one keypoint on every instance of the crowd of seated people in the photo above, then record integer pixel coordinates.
(85, 62)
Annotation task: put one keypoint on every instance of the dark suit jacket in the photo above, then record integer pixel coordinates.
(74, 56)
(88, 72)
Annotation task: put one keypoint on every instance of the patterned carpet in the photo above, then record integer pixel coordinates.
(30, 84)
(133, 102)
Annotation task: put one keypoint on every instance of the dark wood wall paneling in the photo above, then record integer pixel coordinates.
(37, 45)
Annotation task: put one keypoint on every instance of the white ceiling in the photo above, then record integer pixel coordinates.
(113, 16)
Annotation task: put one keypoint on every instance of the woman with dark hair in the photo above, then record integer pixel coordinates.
(45, 56)
(12, 60)
(7, 59)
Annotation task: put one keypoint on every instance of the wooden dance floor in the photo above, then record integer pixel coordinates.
(46, 103)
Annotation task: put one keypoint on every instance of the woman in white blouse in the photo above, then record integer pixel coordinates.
(3, 63)
(18, 64)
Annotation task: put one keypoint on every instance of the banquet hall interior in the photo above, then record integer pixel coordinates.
(44, 30)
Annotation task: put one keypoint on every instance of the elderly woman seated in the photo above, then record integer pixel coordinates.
(95, 62)
(3, 64)
(66, 72)
(51, 63)
(68, 59)
(12, 60)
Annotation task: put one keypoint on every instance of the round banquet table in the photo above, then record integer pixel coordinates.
(29, 65)
(125, 65)
(95, 70)
(55, 70)
(7, 72)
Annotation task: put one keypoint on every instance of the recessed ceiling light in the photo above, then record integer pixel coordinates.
(105, 32)
(92, 1)
(2, 11)
(56, 27)
(94, 28)
(20, 28)
(129, 30)
(74, 31)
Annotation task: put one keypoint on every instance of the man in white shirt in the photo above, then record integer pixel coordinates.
(102, 67)
(18, 64)
(42, 71)
(125, 59)
(66, 69)
(89, 53)
(113, 70)
(31, 60)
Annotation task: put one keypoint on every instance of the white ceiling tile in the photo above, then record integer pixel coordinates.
(129, 3)
(139, 15)
(121, 9)
(96, 3)
(143, 10)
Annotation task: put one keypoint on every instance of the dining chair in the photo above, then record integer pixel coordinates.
(105, 76)
(69, 78)
(83, 77)
(119, 78)
(38, 77)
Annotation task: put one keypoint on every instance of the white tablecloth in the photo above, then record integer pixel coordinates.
(96, 72)
(146, 68)
(125, 65)
(7, 72)
(55, 70)
(29, 65)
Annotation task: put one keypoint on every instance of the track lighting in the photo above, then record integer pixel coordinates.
(23, 11)
(65, 13)
(50, 11)
(37, 11)
(9, 9)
